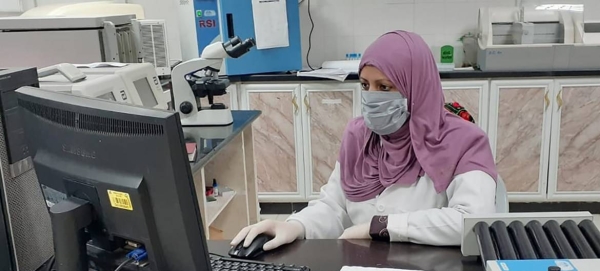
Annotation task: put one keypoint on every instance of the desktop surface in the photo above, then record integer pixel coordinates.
(331, 255)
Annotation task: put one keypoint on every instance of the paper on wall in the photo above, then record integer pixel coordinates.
(357, 268)
(270, 24)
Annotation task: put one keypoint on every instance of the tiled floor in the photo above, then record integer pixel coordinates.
(284, 217)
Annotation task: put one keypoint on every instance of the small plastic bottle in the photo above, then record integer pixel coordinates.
(215, 188)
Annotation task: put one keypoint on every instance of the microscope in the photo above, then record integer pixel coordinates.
(198, 78)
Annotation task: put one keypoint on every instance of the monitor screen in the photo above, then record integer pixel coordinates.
(145, 91)
(107, 96)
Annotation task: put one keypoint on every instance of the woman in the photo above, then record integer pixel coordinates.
(407, 170)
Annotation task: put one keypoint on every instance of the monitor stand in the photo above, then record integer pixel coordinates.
(69, 219)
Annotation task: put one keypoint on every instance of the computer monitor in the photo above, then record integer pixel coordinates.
(114, 176)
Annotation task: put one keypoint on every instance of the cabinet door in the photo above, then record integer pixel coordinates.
(472, 95)
(277, 140)
(575, 152)
(520, 136)
(327, 110)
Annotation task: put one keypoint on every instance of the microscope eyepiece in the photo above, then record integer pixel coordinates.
(238, 47)
(232, 42)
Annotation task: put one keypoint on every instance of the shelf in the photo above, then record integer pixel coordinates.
(214, 208)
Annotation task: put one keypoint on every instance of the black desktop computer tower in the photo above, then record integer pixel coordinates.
(25, 229)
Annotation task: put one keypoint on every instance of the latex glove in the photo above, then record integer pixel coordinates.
(357, 232)
(284, 233)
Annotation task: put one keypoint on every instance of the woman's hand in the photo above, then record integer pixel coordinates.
(284, 233)
(357, 232)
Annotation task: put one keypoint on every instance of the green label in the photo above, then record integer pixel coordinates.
(198, 13)
(447, 54)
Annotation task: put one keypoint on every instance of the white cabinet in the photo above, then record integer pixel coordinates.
(278, 146)
(544, 134)
(298, 135)
(327, 110)
(519, 130)
(575, 150)
(472, 95)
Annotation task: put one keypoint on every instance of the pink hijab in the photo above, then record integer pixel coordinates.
(433, 141)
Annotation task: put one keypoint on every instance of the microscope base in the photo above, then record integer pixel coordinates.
(208, 117)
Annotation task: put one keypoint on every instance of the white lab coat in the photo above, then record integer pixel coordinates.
(416, 213)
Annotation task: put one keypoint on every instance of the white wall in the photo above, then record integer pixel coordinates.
(345, 26)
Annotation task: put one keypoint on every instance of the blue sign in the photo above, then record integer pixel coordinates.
(535, 265)
(207, 22)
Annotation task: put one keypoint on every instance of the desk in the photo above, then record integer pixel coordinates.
(331, 255)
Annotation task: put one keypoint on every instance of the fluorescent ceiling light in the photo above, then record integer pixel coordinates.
(560, 7)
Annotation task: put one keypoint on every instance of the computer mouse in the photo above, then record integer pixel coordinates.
(254, 250)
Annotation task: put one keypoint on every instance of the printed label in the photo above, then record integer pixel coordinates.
(120, 200)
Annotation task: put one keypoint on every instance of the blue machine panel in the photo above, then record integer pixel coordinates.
(207, 23)
(237, 15)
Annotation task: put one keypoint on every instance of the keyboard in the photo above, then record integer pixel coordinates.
(230, 264)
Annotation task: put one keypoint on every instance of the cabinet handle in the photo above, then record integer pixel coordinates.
(559, 99)
(306, 103)
(547, 100)
(295, 103)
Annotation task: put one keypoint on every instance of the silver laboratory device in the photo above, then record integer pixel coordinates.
(140, 79)
(558, 241)
(45, 41)
(526, 39)
(134, 83)
(188, 87)
(150, 35)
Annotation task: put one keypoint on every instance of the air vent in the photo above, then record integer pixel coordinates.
(152, 36)
(94, 124)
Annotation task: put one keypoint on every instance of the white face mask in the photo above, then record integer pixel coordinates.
(384, 112)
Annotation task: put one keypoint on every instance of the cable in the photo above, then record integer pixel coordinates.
(123, 264)
(312, 28)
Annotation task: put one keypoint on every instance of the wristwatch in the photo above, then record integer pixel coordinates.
(378, 230)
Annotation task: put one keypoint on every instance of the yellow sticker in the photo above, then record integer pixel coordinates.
(120, 200)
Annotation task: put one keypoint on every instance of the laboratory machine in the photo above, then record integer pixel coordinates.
(135, 83)
(274, 25)
(150, 35)
(528, 39)
(532, 241)
(45, 41)
(198, 78)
